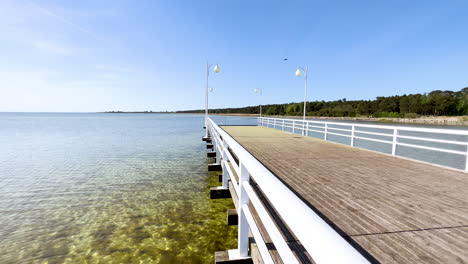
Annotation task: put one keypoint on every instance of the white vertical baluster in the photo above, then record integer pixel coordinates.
(352, 136)
(307, 129)
(215, 147)
(224, 158)
(326, 131)
(394, 143)
(466, 162)
(243, 229)
(282, 127)
(274, 123)
(294, 126)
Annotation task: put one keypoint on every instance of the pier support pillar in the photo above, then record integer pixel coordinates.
(206, 139)
(232, 217)
(209, 146)
(219, 193)
(211, 154)
(227, 257)
(214, 167)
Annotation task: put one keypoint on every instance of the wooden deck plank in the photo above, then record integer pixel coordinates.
(368, 195)
(448, 245)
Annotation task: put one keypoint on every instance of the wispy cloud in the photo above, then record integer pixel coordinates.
(28, 25)
(114, 68)
(62, 19)
(52, 47)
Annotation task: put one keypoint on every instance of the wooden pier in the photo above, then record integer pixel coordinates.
(389, 209)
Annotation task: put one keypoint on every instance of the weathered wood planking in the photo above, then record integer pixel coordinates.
(381, 202)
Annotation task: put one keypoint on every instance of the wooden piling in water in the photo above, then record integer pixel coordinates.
(232, 217)
(214, 167)
(222, 257)
(219, 192)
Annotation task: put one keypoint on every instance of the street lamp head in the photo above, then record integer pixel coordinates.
(216, 68)
(298, 72)
(211, 89)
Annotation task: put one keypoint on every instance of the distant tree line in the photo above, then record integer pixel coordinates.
(434, 103)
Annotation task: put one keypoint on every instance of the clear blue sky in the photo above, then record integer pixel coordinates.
(150, 55)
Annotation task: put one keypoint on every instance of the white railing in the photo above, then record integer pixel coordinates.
(392, 135)
(322, 242)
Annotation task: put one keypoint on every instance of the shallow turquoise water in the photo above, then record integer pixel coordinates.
(108, 188)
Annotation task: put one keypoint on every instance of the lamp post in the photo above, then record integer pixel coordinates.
(299, 72)
(259, 91)
(216, 69)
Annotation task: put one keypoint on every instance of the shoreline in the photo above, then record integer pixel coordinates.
(424, 120)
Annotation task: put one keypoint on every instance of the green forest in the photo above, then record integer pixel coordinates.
(438, 103)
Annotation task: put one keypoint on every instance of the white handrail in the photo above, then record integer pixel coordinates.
(392, 137)
(264, 253)
(416, 129)
(283, 249)
(321, 241)
(233, 179)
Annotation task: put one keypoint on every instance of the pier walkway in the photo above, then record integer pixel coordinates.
(397, 210)
(387, 209)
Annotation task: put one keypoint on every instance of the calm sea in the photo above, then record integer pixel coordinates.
(108, 188)
(116, 188)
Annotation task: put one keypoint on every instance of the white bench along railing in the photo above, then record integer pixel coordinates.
(321, 241)
(430, 139)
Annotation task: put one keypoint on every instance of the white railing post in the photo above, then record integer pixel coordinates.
(325, 132)
(307, 129)
(282, 127)
(294, 126)
(466, 163)
(394, 142)
(243, 229)
(352, 136)
(224, 158)
(216, 149)
(274, 123)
